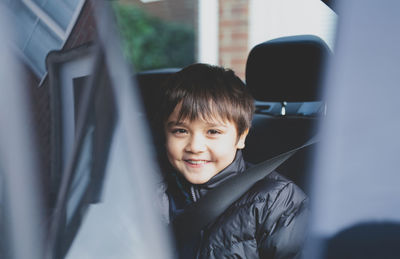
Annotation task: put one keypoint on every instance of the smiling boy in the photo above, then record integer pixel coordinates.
(201, 148)
(207, 113)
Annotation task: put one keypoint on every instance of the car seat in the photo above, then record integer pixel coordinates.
(150, 85)
(284, 76)
(150, 82)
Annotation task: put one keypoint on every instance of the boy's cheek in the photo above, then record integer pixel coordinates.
(173, 148)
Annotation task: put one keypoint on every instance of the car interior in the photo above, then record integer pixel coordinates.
(284, 76)
(286, 73)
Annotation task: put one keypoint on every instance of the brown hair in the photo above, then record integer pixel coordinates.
(205, 92)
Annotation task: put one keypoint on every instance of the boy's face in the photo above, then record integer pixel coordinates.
(201, 149)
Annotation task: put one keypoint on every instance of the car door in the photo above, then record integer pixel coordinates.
(355, 192)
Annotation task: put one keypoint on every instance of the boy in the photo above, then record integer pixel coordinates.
(207, 114)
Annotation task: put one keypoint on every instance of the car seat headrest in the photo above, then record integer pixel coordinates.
(287, 69)
(150, 83)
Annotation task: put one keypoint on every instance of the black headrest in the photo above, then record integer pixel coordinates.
(153, 78)
(150, 85)
(287, 69)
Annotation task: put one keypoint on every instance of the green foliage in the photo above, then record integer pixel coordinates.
(150, 43)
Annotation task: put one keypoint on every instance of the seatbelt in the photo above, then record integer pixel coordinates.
(215, 202)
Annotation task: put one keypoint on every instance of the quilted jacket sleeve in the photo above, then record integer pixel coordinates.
(282, 230)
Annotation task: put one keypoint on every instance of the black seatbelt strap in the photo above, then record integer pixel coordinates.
(216, 201)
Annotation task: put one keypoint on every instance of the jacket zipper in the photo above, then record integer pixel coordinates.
(193, 193)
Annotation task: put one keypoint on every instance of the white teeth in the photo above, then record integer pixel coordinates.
(196, 162)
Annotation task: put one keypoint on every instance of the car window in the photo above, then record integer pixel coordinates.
(176, 33)
(157, 34)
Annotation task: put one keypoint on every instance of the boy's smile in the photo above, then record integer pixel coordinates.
(200, 149)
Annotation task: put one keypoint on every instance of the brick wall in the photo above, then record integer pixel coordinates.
(233, 35)
(84, 29)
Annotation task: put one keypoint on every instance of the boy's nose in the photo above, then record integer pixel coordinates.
(196, 144)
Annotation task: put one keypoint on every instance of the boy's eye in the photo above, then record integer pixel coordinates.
(214, 132)
(179, 131)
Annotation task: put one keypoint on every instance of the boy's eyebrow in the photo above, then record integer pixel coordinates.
(175, 123)
(211, 124)
(181, 123)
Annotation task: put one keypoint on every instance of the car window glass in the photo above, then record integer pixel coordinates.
(157, 34)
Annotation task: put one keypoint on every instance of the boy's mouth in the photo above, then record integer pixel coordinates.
(196, 162)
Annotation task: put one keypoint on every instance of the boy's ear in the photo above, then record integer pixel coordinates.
(242, 138)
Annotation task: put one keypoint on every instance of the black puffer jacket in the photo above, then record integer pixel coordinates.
(269, 221)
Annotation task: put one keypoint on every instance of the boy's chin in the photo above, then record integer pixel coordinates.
(197, 180)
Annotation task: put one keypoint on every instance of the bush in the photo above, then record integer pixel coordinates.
(150, 43)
